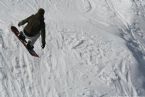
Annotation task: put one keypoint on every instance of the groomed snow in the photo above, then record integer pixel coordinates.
(95, 48)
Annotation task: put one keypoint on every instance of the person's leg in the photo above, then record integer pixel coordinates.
(32, 40)
(21, 36)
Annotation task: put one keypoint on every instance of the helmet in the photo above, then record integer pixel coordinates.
(41, 11)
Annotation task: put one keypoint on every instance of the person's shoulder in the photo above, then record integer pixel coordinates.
(43, 22)
(32, 15)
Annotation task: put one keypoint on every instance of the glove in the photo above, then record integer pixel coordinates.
(43, 45)
(19, 24)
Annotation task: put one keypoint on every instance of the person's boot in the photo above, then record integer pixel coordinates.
(21, 36)
(29, 46)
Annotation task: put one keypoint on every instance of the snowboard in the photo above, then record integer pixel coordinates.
(16, 32)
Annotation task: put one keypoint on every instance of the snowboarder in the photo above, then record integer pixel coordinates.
(34, 28)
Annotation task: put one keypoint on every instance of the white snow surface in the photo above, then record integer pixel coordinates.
(94, 48)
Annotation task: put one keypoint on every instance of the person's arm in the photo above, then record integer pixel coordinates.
(24, 21)
(43, 35)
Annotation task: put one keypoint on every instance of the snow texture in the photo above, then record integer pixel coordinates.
(95, 48)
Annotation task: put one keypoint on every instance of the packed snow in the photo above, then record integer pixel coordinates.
(94, 48)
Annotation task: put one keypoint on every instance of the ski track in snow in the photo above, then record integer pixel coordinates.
(86, 6)
(86, 57)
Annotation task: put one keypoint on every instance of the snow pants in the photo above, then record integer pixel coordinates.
(32, 39)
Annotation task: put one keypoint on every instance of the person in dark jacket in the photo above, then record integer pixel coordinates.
(34, 28)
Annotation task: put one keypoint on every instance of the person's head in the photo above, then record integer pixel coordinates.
(41, 11)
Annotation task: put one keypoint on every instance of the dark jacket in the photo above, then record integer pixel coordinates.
(35, 25)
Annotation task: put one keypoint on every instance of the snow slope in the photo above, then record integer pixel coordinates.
(95, 48)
